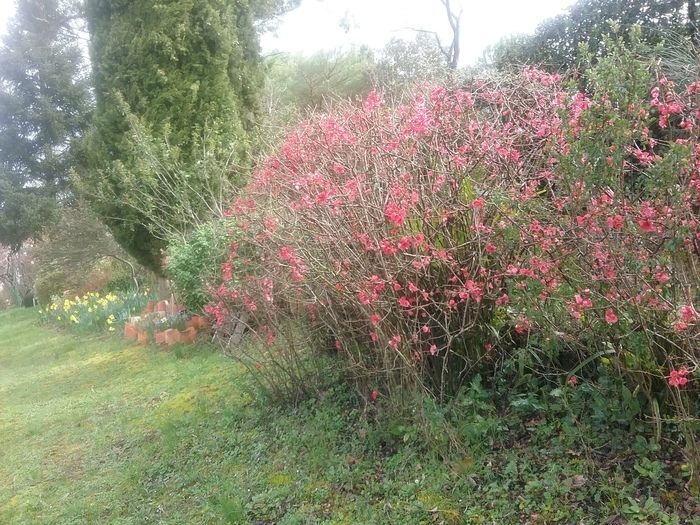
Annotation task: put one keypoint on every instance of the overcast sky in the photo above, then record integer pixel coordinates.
(316, 24)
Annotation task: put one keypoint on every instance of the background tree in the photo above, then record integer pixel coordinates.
(78, 252)
(44, 108)
(296, 84)
(555, 42)
(186, 73)
(402, 64)
(17, 275)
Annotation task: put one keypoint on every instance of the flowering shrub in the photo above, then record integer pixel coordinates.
(94, 311)
(431, 239)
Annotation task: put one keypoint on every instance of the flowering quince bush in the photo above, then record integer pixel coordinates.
(433, 238)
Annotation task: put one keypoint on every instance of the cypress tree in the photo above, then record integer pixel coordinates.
(176, 80)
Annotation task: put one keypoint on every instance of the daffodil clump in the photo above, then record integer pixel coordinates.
(95, 311)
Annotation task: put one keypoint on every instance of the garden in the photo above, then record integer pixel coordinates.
(417, 293)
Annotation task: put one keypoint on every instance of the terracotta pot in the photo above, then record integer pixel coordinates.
(162, 306)
(172, 337)
(160, 338)
(142, 337)
(131, 333)
(198, 322)
(150, 307)
(188, 336)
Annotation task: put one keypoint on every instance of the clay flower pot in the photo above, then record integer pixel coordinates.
(188, 336)
(160, 338)
(162, 306)
(198, 322)
(131, 333)
(150, 307)
(142, 337)
(172, 337)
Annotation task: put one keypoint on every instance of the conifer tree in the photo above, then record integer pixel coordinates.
(176, 86)
(44, 109)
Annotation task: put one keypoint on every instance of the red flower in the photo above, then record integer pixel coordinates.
(404, 244)
(610, 316)
(688, 313)
(478, 204)
(616, 222)
(395, 214)
(678, 377)
(662, 277)
(646, 225)
(522, 326)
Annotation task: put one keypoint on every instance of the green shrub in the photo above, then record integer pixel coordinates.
(193, 261)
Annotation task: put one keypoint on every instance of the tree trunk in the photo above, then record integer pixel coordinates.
(692, 22)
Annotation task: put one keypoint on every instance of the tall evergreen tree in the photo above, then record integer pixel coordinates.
(176, 83)
(44, 108)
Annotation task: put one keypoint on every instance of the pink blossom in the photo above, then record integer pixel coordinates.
(678, 378)
(662, 277)
(610, 316)
(616, 222)
(373, 101)
(404, 302)
(522, 326)
(395, 214)
(404, 244)
(688, 313)
(646, 225)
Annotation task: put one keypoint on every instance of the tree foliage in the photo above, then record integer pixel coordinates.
(555, 42)
(186, 74)
(44, 109)
(74, 247)
(402, 64)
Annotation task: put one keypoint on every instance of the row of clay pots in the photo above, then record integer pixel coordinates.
(172, 336)
(169, 337)
(166, 337)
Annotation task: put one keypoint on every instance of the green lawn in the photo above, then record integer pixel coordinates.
(95, 430)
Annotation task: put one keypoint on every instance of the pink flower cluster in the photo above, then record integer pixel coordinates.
(426, 231)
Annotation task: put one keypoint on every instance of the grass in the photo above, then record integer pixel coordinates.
(95, 430)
